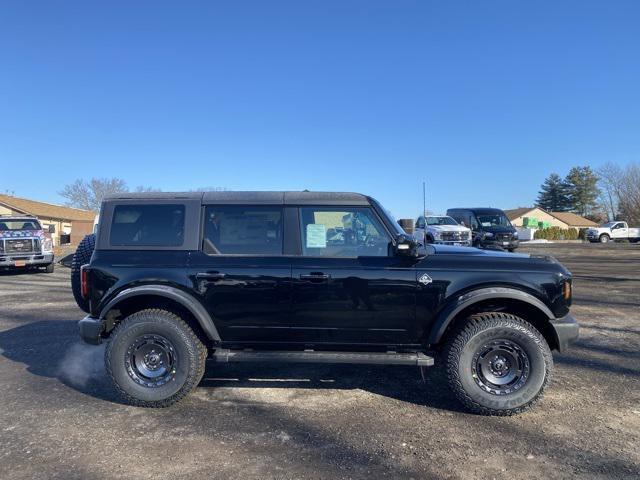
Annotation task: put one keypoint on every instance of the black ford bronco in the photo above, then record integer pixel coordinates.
(176, 279)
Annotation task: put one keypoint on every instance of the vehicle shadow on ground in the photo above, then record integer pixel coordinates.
(50, 348)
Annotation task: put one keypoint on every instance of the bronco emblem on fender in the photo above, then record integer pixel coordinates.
(425, 279)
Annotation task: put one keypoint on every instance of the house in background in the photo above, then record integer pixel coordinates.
(564, 220)
(72, 223)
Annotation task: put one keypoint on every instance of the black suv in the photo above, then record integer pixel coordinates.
(490, 227)
(176, 279)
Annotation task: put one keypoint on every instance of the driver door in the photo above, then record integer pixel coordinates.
(619, 231)
(347, 287)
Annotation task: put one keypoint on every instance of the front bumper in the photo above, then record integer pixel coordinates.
(91, 329)
(566, 331)
(29, 259)
(508, 244)
(456, 243)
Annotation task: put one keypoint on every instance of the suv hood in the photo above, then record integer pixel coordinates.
(498, 229)
(451, 250)
(447, 228)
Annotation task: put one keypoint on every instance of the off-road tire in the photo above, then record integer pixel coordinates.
(49, 268)
(191, 358)
(81, 257)
(604, 238)
(467, 338)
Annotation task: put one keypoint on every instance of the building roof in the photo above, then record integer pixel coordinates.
(572, 219)
(255, 197)
(569, 218)
(45, 210)
(518, 212)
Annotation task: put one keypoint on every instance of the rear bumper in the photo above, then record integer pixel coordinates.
(566, 330)
(91, 329)
(29, 259)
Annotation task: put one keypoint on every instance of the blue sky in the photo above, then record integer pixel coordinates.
(481, 99)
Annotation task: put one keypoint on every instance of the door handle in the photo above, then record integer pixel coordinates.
(315, 276)
(210, 276)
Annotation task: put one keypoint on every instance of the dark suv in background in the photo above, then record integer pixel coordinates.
(176, 279)
(490, 227)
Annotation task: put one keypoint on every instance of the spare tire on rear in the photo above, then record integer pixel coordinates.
(81, 257)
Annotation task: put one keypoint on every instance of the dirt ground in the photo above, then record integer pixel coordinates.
(60, 418)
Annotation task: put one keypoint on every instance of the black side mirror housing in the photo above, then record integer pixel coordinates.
(406, 246)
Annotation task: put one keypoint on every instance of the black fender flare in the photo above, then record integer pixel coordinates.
(446, 316)
(186, 300)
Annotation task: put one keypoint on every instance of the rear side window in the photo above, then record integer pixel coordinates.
(243, 230)
(147, 225)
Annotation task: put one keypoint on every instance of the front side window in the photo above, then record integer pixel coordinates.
(147, 225)
(243, 230)
(342, 232)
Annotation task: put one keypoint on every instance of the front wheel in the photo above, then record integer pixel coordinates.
(604, 238)
(154, 358)
(497, 364)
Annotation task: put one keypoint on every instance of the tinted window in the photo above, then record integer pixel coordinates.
(148, 225)
(243, 230)
(497, 219)
(342, 232)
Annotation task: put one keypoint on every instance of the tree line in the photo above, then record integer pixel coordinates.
(611, 192)
(88, 194)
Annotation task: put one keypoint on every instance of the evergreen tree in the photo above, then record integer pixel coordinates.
(553, 195)
(583, 190)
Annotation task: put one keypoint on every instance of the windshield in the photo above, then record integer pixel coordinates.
(608, 224)
(18, 224)
(441, 221)
(494, 220)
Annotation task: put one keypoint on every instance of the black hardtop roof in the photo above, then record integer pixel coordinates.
(251, 197)
(478, 209)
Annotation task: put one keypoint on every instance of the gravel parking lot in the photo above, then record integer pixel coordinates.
(60, 417)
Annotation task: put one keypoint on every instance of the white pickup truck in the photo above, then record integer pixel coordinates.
(443, 230)
(613, 231)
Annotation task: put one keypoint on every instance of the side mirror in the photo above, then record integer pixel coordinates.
(406, 246)
(52, 229)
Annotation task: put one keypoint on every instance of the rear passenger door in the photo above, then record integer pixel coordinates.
(347, 286)
(241, 273)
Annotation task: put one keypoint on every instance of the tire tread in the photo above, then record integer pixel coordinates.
(473, 326)
(197, 368)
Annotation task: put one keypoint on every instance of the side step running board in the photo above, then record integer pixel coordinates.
(312, 356)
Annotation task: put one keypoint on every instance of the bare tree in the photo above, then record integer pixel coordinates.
(608, 179)
(621, 191)
(629, 201)
(89, 194)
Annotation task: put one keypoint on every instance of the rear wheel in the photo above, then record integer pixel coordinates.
(497, 364)
(154, 358)
(81, 257)
(604, 238)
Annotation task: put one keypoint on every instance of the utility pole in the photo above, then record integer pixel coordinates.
(424, 198)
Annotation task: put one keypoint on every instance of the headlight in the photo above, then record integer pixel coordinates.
(515, 234)
(488, 234)
(47, 245)
(437, 235)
